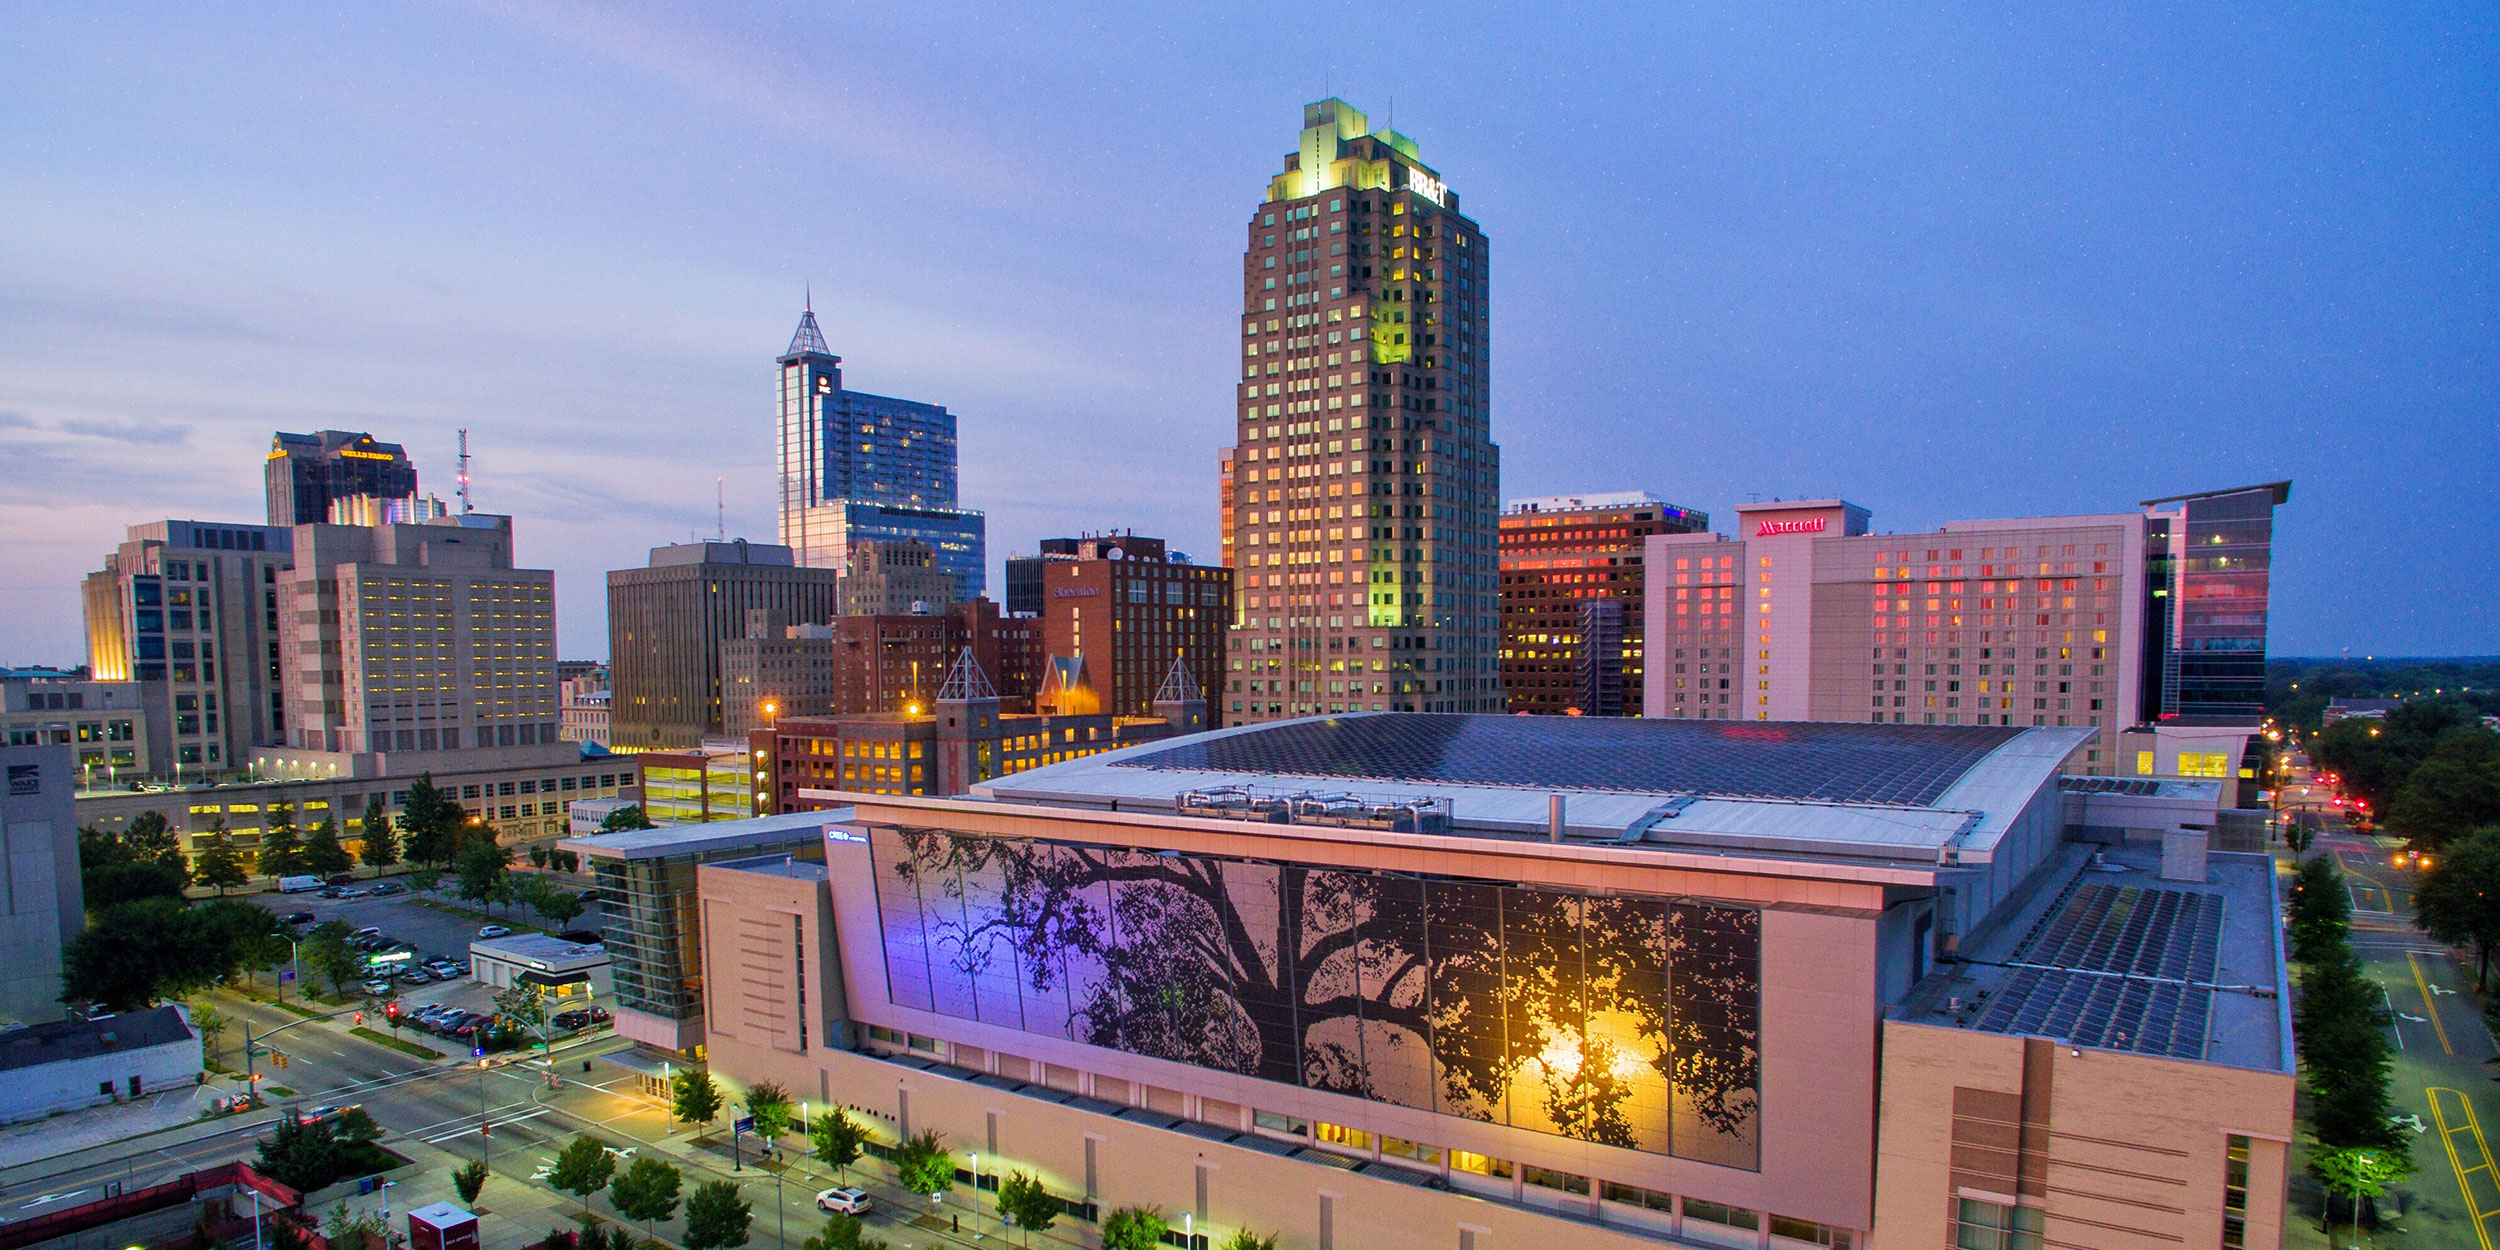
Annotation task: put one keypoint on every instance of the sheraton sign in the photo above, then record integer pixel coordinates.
(1810, 525)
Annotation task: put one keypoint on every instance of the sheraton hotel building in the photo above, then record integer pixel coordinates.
(1475, 981)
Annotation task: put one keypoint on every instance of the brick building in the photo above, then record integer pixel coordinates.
(1571, 599)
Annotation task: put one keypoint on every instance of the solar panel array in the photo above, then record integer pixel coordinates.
(1839, 762)
(2121, 967)
(2112, 1013)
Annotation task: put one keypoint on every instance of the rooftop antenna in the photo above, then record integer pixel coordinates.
(720, 505)
(465, 506)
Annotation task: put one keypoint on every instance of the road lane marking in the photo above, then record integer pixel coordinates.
(463, 1132)
(2448, 1135)
(2428, 1006)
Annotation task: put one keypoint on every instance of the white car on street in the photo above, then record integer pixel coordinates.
(493, 931)
(843, 1201)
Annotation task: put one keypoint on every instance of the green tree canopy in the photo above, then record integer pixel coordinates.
(325, 951)
(693, 1098)
(482, 864)
(1244, 1239)
(150, 836)
(469, 1180)
(2320, 909)
(134, 954)
(323, 854)
(122, 869)
(845, 1232)
(772, 1109)
(583, 1169)
(837, 1138)
(923, 1164)
(1134, 1228)
(381, 842)
(281, 846)
(629, 816)
(220, 865)
(647, 1191)
(716, 1217)
(2458, 902)
(429, 823)
(1024, 1203)
(2454, 791)
(560, 907)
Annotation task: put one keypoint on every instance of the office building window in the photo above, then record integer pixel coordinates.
(1995, 1226)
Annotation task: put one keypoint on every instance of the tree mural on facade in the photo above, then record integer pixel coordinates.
(1626, 1020)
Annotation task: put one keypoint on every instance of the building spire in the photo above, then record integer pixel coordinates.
(966, 681)
(1179, 686)
(809, 340)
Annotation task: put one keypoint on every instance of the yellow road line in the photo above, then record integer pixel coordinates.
(2429, 1008)
(2456, 1163)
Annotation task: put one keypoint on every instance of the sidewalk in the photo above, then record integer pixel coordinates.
(35, 1140)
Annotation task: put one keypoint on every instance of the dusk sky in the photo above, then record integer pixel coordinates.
(1947, 263)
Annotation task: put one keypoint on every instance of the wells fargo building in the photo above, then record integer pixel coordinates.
(1472, 981)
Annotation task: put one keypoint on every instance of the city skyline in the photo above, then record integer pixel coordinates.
(2049, 292)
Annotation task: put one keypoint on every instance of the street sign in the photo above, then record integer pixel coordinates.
(285, 975)
(477, 1052)
(743, 1124)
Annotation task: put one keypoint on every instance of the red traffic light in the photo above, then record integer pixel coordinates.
(360, 1017)
(391, 1010)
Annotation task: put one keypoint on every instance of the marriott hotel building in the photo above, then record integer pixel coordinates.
(2149, 626)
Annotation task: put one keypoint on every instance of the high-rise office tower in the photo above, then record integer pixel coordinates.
(416, 646)
(198, 605)
(1365, 478)
(855, 465)
(1571, 599)
(667, 621)
(310, 472)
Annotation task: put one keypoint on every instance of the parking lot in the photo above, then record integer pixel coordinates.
(432, 932)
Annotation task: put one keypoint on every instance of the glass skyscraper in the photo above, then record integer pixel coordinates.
(855, 465)
(1365, 482)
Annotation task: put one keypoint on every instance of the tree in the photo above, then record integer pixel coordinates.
(584, 1168)
(645, 1191)
(2321, 908)
(322, 852)
(923, 1165)
(524, 1005)
(838, 1139)
(381, 845)
(326, 949)
(348, 1227)
(716, 1217)
(1244, 1239)
(2358, 1174)
(305, 1156)
(211, 1023)
(429, 823)
(219, 865)
(770, 1106)
(425, 880)
(281, 847)
(538, 854)
(845, 1232)
(118, 870)
(150, 836)
(281, 1232)
(1134, 1228)
(357, 1127)
(2455, 790)
(134, 954)
(1024, 1203)
(2458, 902)
(470, 1180)
(694, 1098)
(560, 907)
(482, 863)
(629, 816)
(565, 861)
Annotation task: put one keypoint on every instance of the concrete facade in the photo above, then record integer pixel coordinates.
(41, 906)
(668, 621)
(198, 605)
(68, 1066)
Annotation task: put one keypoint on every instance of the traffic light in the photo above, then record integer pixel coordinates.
(392, 1011)
(360, 1017)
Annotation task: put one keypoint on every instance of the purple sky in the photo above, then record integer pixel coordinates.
(1969, 263)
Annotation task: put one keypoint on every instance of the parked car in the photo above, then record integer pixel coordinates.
(389, 887)
(329, 891)
(845, 1201)
(414, 975)
(296, 917)
(379, 988)
(344, 878)
(298, 885)
(353, 891)
(443, 968)
(369, 932)
(493, 931)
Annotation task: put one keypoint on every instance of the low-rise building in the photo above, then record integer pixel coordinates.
(526, 802)
(73, 1064)
(121, 731)
(570, 973)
